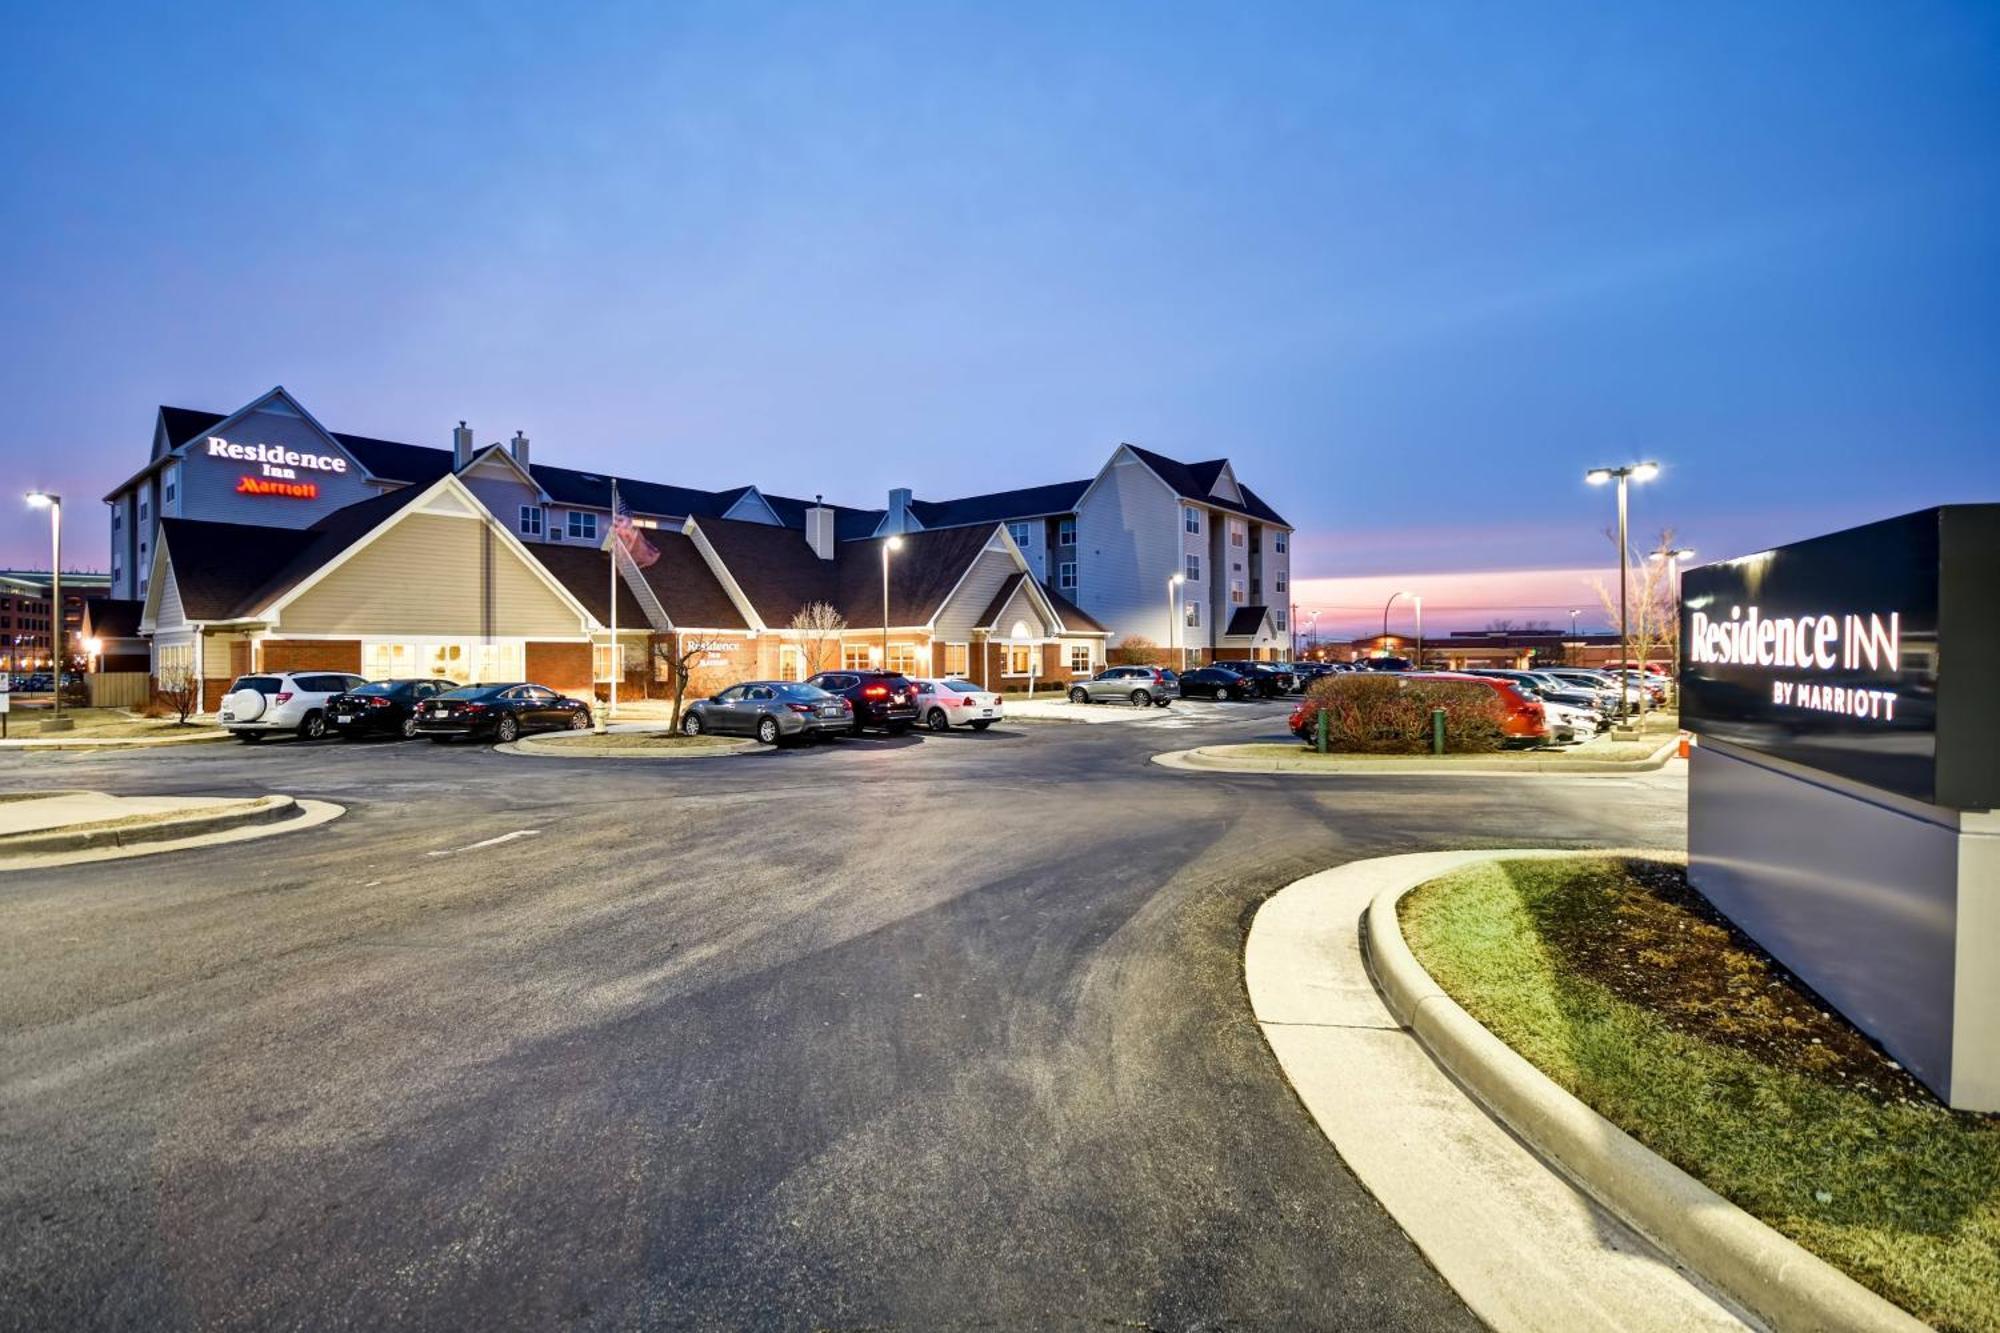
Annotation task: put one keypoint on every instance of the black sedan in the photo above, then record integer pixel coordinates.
(1265, 679)
(503, 712)
(381, 708)
(1215, 683)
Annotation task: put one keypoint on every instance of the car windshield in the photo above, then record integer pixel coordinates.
(795, 690)
(961, 686)
(471, 692)
(261, 684)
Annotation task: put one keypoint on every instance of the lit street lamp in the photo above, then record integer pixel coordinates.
(1174, 582)
(1420, 620)
(1575, 648)
(53, 502)
(1597, 476)
(893, 544)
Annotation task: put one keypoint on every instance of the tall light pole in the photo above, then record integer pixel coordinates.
(1575, 653)
(1312, 631)
(1391, 602)
(893, 544)
(53, 503)
(1174, 582)
(1419, 603)
(1597, 476)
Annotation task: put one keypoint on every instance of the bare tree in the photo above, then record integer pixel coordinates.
(178, 690)
(818, 627)
(683, 655)
(1502, 626)
(1649, 597)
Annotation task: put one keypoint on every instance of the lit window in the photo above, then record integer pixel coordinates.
(582, 526)
(1066, 532)
(1079, 657)
(957, 659)
(858, 656)
(1191, 518)
(1020, 658)
(1280, 543)
(1236, 591)
(1192, 615)
(1194, 569)
(903, 657)
(531, 520)
(1235, 534)
(1066, 576)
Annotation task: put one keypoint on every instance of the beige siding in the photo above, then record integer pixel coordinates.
(171, 614)
(1021, 606)
(429, 575)
(962, 611)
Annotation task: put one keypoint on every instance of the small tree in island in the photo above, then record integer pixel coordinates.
(818, 627)
(681, 655)
(179, 691)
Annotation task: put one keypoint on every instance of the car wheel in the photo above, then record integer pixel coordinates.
(1141, 699)
(1079, 695)
(691, 725)
(507, 730)
(580, 720)
(937, 721)
(981, 726)
(409, 727)
(313, 726)
(767, 730)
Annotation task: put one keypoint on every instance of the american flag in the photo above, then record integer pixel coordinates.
(627, 534)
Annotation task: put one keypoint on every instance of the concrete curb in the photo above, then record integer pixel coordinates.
(535, 748)
(166, 828)
(1216, 759)
(1772, 1276)
(309, 814)
(31, 743)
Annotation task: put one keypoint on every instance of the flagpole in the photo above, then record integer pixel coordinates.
(616, 661)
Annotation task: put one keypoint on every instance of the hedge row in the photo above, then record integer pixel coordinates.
(1381, 713)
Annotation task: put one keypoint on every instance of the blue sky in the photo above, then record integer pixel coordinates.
(1412, 267)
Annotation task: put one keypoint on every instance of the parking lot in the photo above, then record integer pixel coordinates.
(924, 1031)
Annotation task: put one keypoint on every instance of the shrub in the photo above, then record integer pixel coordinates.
(1136, 650)
(1382, 713)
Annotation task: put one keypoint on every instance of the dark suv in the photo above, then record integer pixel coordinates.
(883, 699)
(1270, 681)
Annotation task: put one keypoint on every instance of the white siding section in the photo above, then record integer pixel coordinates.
(982, 584)
(1127, 543)
(1021, 610)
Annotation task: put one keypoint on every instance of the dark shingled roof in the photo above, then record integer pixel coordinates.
(570, 486)
(1000, 600)
(418, 464)
(848, 524)
(112, 617)
(1245, 621)
(680, 578)
(184, 423)
(999, 506)
(778, 572)
(1073, 616)
(1194, 479)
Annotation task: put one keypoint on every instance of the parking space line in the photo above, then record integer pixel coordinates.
(489, 842)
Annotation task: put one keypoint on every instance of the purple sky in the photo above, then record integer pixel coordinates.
(1413, 271)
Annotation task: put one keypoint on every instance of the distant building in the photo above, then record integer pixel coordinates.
(25, 618)
(1512, 649)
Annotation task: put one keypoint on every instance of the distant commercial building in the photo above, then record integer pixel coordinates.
(25, 617)
(1515, 649)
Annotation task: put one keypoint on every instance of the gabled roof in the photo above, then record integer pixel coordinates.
(999, 506)
(1072, 616)
(774, 567)
(848, 524)
(680, 579)
(779, 573)
(417, 464)
(570, 486)
(1245, 622)
(112, 617)
(991, 614)
(1194, 480)
(185, 423)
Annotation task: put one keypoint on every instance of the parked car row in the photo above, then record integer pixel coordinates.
(313, 704)
(1149, 686)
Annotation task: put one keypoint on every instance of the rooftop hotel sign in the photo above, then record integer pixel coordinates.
(1872, 654)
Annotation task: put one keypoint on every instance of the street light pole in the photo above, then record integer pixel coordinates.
(1385, 616)
(53, 502)
(893, 544)
(1597, 476)
(1420, 629)
(1575, 654)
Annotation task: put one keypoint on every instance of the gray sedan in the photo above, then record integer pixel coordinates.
(770, 710)
(1139, 685)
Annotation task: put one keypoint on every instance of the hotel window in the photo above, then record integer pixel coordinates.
(1020, 658)
(1079, 657)
(1019, 532)
(1236, 591)
(957, 659)
(858, 656)
(1235, 534)
(582, 526)
(903, 658)
(1278, 582)
(1192, 615)
(169, 481)
(1280, 617)
(1066, 532)
(1194, 569)
(1191, 518)
(1279, 543)
(531, 520)
(466, 661)
(145, 510)
(1066, 576)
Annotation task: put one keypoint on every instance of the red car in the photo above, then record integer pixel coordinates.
(1522, 718)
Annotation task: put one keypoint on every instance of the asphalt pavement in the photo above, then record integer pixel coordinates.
(921, 1033)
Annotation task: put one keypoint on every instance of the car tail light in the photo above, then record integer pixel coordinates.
(876, 691)
(473, 708)
(800, 708)
(378, 703)
(283, 696)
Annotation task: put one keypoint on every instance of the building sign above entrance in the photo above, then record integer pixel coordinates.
(275, 460)
(1833, 653)
(296, 490)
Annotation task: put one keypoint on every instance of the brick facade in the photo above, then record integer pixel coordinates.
(311, 655)
(563, 667)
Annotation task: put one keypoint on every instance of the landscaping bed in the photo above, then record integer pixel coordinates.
(589, 742)
(99, 724)
(1629, 990)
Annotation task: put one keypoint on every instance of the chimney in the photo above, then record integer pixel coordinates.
(819, 529)
(520, 447)
(899, 511)
(461, 447)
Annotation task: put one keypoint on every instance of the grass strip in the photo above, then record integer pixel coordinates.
(1626, 987)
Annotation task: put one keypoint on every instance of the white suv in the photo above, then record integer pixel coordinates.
(292, 701)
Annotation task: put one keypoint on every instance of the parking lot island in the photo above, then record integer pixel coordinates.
(40, 829)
